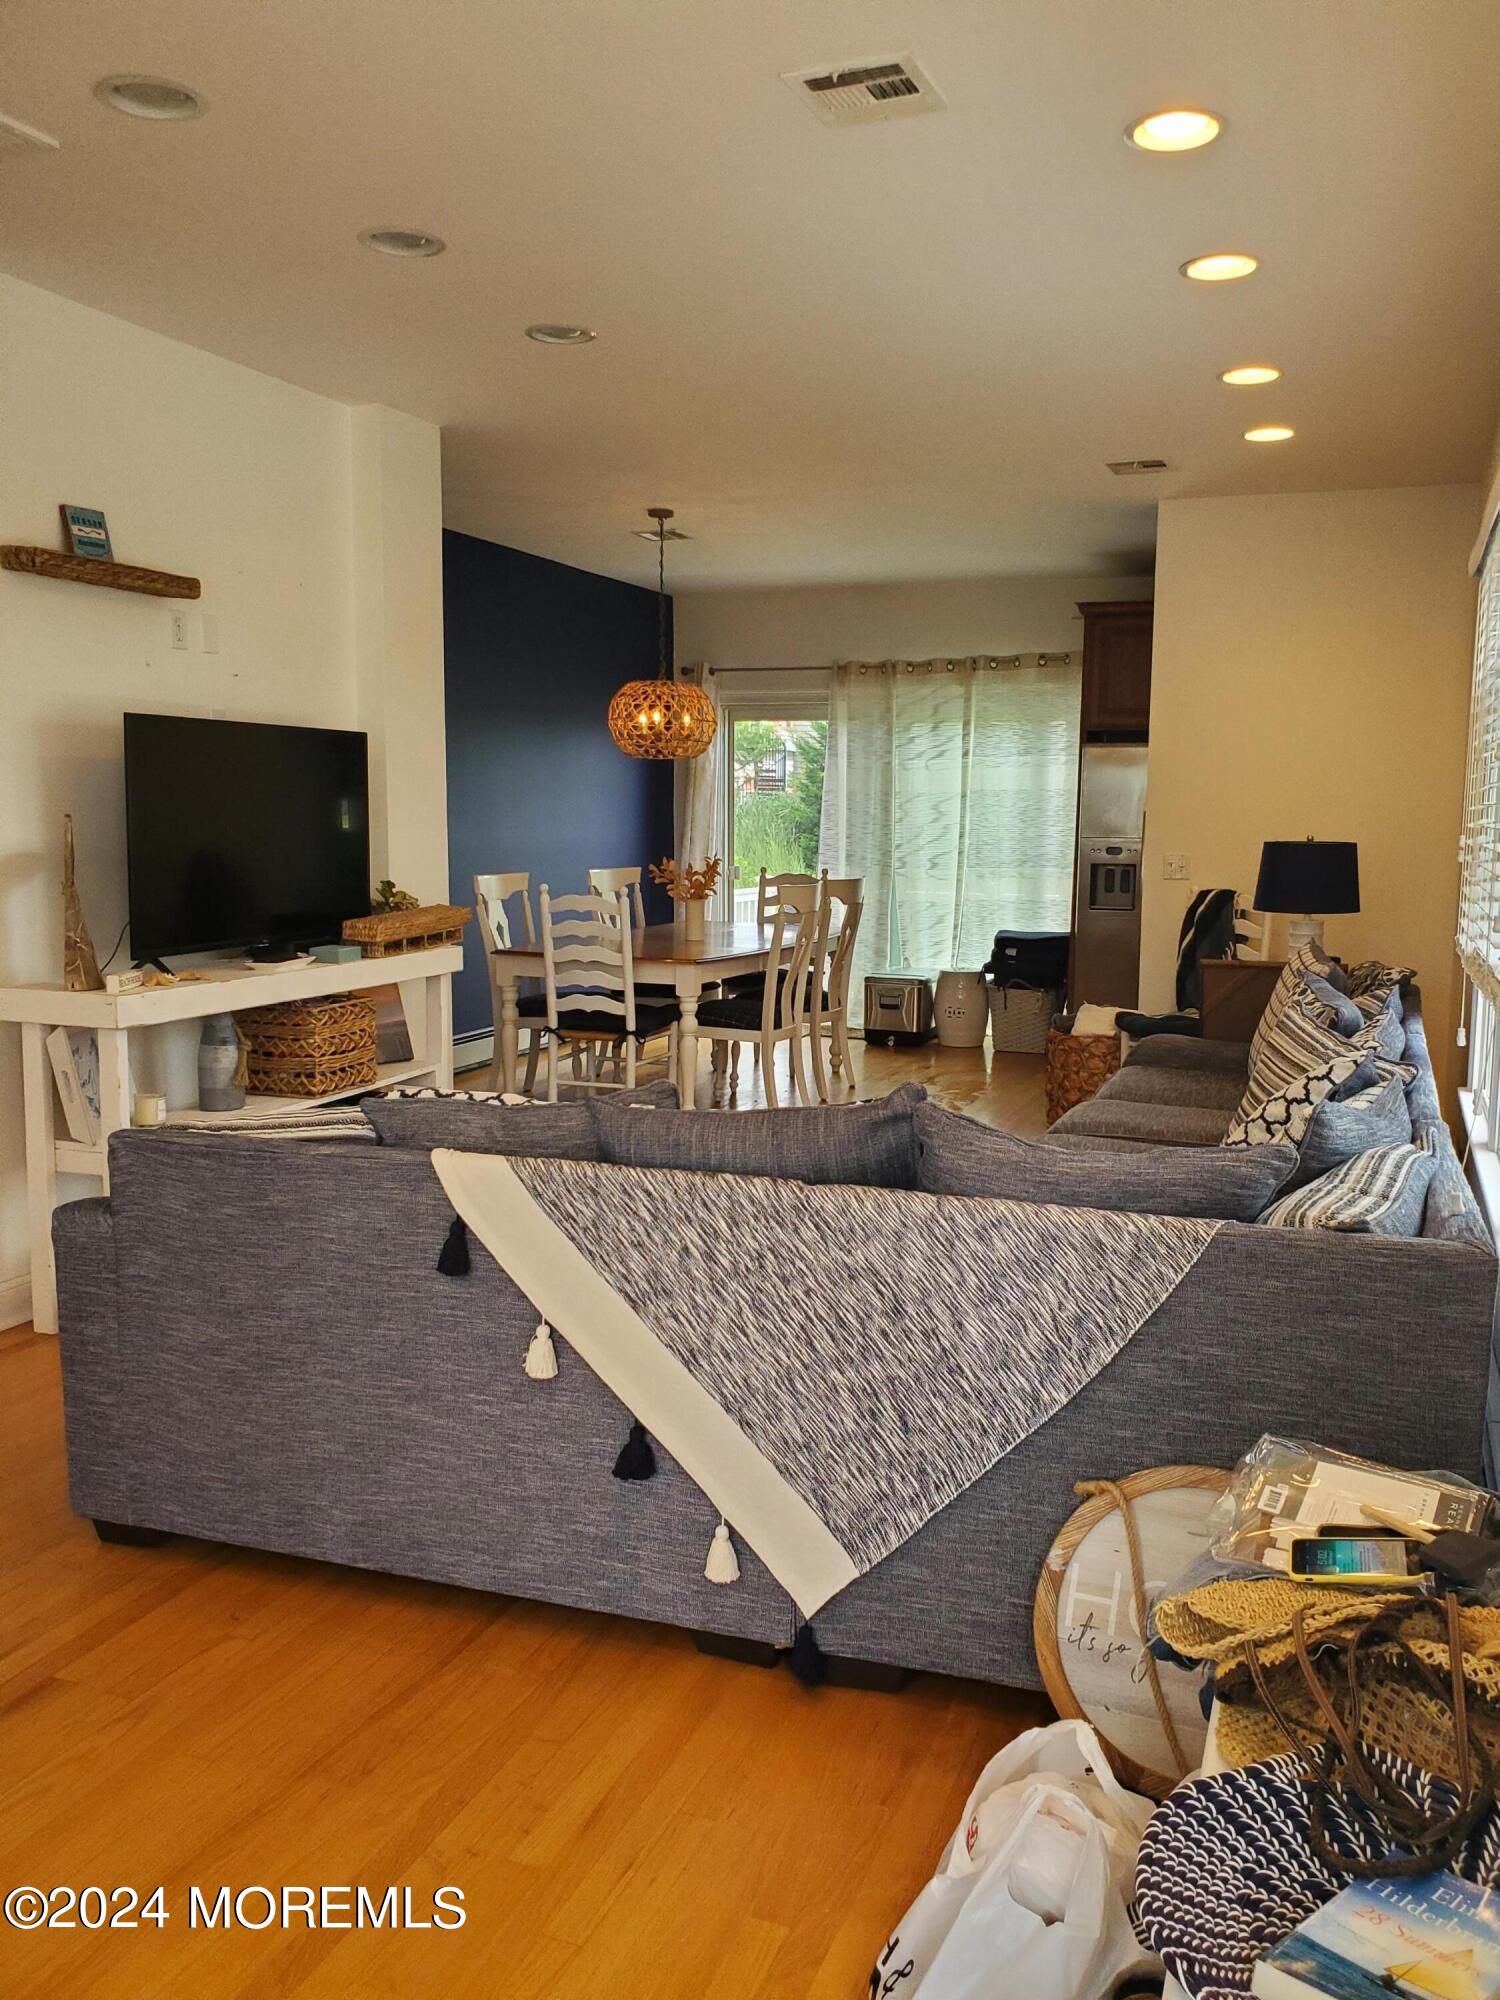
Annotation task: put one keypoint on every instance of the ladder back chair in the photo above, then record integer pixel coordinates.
(828, 1005)
(589, 985)
(775, 1012)
(497, 931)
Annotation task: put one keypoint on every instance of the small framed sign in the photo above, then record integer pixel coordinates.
(87, 532)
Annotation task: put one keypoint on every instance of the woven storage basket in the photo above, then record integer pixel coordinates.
(1021, 1018)
(310, 1048)
(1076, 1066)
(390, 932)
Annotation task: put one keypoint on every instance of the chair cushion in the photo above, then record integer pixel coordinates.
(1153, 1124)
(653, 1018)
(1379, 1193)
(960, 1156)
(853, 1145)
(740, 1009)
(480, 1121)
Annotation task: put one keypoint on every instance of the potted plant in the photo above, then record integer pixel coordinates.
(690, 889)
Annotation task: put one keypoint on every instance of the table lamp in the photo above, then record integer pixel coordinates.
(1301, 877)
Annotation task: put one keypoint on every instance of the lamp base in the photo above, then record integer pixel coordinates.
(1304, 931)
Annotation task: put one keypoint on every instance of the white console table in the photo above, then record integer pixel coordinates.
(113, 1017)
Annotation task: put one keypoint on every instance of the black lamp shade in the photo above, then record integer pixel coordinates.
(1309, 877)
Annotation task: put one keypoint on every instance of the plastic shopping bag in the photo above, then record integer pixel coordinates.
(1030, 1894)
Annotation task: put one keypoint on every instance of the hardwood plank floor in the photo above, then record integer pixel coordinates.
(622, 1814)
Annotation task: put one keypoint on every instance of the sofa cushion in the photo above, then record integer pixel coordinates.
(1379, 1193)
(480, 1121)
(1287, 1113)
(958, 1155)
(854, 1145)
(1152, 1124)
(1343, 1127)
(1218, 1090)
(1191, 1052)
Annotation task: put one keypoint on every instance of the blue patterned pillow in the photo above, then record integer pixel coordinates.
(1286, 1114)
(1379, 1193)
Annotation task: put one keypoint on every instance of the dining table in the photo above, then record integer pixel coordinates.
(662, 955)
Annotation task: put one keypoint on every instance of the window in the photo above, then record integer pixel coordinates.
(775, 791)
(1479, 856)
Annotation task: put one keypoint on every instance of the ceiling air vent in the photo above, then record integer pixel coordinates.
(866, 93)
(1123, 467)
(16, 137)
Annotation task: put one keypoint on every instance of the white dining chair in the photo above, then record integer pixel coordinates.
(776, 1012)
(497, 931)
(589, 986)
(609, 881)
(828, 986)
(768, 893)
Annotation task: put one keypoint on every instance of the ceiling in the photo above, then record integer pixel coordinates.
(897, 351)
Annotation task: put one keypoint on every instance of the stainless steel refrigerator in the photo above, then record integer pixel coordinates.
(1107, 878)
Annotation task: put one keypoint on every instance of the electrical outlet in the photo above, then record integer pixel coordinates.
(179, 631)
(1174, 868)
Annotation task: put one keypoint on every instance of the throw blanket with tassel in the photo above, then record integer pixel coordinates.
(831, 1365)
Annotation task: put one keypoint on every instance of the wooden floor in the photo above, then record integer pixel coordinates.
(624, 1816)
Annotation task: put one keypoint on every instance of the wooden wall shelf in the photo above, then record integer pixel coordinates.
(89, 569)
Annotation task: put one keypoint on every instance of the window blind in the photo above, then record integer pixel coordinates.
(1479, 840)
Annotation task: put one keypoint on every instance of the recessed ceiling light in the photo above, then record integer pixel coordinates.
(149, 97)
(1250, 375)
(562, 336)
(1269, 434)
(1217, 266)
(402, 242)
(1174, 131)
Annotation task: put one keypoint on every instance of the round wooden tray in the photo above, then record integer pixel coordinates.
(1091, 1656)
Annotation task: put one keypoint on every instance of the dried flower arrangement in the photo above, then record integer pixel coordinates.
(691, 885)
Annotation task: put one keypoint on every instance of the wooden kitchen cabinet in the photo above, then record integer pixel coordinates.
(1116, 671)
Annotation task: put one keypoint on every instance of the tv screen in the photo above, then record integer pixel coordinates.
(243, 833)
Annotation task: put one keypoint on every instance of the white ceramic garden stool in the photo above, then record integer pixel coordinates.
(962, 1009)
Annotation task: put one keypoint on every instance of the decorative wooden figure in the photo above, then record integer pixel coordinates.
(81, 972)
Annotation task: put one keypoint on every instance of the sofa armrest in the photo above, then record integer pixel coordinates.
(83, 1241)
(1191, 1052)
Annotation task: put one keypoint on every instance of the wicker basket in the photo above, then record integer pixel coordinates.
(1020, 1018)
(391, 932)
(310, 1048)
(1076, 1066)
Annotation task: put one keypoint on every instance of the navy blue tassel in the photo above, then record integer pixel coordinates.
(637, 1460)
(453, 1258)
(807, 1660)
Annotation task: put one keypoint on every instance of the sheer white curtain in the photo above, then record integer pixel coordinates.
(951, 788)
(699, 800)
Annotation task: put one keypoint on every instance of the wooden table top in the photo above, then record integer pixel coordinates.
(665, 944)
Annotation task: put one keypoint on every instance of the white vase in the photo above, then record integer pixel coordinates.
(962, 1009)
(695, 920)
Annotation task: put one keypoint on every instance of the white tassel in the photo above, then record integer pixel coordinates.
(541, 1356)
(723, 1564)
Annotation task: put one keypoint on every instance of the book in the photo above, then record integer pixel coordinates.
(75, 1064)
(1430, 1937)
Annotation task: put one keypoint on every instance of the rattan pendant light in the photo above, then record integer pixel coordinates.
(662, 718)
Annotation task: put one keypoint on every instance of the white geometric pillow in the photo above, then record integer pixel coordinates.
(1285, 1114)
(1379, 1193)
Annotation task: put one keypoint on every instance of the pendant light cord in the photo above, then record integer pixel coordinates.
(661, 598)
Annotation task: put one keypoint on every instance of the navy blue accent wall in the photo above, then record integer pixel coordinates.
(533, 651)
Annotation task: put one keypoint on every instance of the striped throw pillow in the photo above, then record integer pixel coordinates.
(1292, 982)
(1379, 1193)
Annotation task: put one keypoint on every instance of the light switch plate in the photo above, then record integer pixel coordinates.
(1174, 867)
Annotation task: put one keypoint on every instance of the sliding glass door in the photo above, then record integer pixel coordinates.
(773, 804)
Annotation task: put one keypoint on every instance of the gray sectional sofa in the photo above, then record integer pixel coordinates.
(258, 1349)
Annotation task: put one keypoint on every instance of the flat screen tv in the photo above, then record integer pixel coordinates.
(243, 834)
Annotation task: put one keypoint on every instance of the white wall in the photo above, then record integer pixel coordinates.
(209, 468)
(891, 621)
(1311, 670)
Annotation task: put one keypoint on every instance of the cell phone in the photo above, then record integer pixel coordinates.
(1353, 1559)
